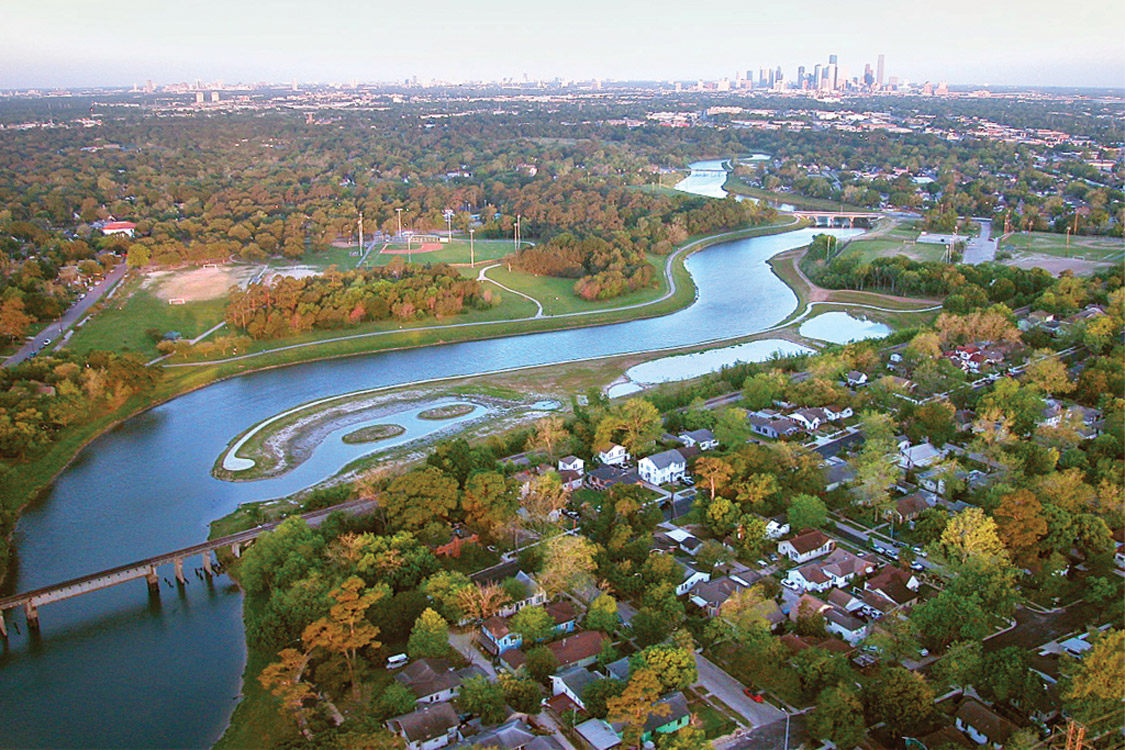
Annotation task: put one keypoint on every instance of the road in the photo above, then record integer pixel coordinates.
(769, 737)
(1033, 629)
(980, 249)
(56, 330)
(729, 691)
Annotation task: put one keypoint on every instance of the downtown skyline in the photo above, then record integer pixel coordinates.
(1006, 43)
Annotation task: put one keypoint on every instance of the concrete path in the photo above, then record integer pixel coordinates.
(980, 249)
(483, 276)
(55, 331)
(463, 642)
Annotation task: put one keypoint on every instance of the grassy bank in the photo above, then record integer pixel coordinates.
(734, 184)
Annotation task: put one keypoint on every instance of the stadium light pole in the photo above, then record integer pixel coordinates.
(399, 212)
(472, 254)
(449, 224)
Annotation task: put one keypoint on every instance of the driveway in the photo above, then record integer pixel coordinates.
(55, 330)
(463, 642)
(729, 690)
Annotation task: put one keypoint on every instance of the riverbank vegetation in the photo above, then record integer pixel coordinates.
(373, 434)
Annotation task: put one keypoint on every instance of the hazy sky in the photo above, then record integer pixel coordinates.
(119, 42)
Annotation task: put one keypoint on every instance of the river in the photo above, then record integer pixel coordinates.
(111, 669)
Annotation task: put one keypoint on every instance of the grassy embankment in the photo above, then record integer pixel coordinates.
(734, 184)
(1049, 243)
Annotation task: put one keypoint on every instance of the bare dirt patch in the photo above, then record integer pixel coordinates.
(293, 272)
(197, 284)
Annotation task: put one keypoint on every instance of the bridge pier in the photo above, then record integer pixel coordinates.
(207, 564)
(153, 581)
(3, 626)
(31, 612)
(236, 549)
(179, 564)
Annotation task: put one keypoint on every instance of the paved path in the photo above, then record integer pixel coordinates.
(463, 642)
(980, 249)
(729, 691)
(483, 276)
(55, 330)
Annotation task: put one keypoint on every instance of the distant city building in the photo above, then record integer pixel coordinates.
(879, 72)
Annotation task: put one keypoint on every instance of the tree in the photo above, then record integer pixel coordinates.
(597, 693)
(395, 700)
(484, 698)
(819, 669)
(429, 638)
(715, 471)
(13, 320)
(1021, 406)
(731, 428)
(874, 472)
(1093, 689)
(138, 256)
(482, 601)
(489, 502)
(545, 497)
(900, 698)
(807, 512)
(567, 565)
(950, 617)
(445, 589)
(541, 664)
(742, 617)
(674, 666)
(761, 390)
(1020, 523)
(420, 498)
(961, 664)
(602, 614)
(533, 624)
(971, 533)
(346, 630)
(635, 704)
(924, 346)
(521, 693)
(283, 680)
(838, 717)
(378, 738)
(635, 424)
(687, 738)
(550, 434)
(1047, 373)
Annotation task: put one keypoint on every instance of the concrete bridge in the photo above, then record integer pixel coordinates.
(830, 219)
(31, 601)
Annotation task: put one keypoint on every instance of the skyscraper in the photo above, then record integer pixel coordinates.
(801, 76)
(879, 74)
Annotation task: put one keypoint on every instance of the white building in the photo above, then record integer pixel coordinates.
(615, 455)
(663, 467)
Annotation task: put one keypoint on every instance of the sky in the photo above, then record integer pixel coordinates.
(63, 43)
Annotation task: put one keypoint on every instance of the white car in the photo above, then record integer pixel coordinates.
(790, 585)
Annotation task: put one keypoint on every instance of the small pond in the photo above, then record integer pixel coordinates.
(842, 328)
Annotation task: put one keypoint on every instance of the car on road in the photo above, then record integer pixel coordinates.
(753, 695)
(689, 481)
(917, 566)
(762, 563)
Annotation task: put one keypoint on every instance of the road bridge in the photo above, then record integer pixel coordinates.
(31, 601)
(831, 219)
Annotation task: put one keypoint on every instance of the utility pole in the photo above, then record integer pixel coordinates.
(449, 224)
(399, 212)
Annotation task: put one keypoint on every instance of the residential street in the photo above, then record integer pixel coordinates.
(55, 330)
(769, 737)
(729, 691)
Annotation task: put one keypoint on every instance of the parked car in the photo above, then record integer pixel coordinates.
(790, 585)
(396, 661)
(754, 696)
(763, 563)
(917, 566)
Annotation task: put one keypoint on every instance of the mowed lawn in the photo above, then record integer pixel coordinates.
(1049, 243)
(121, 326)
(456, 251)
(557, 294)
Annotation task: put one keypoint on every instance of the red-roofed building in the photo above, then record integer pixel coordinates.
(119, 227)
(805, 546)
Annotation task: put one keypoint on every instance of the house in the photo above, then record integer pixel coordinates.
(527, 477)
(807, 606)
(848, 627)
(702, 439)
(836, 413)
(710, 596)
(838, 569)
(661, 468)
(570, 480)
(773, 428)
(837, 473)
(533, 595)
(619, 670)
(810, 419)
(777, 527)
(614, 455)
(498, 636)
(686, 541)
(691, 577)
(572, 682)
(429, 728)
(458, 537)
(604, 477)
(910, 507)
(434, 680)
(598, 734)
(118, 227)
(918, 456)
(572, 463)
(675, 718)
(843, 600)
(511, 735)
(896, 585)
(947, 737)
(983, 725)
(578, 650)
(855, 377)
(805, 546)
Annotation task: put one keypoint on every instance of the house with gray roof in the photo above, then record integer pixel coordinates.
(661, 468)
(431, 727)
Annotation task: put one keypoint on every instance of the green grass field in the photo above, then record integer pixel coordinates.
(885, 248)
(1048, 243)
(456, 251)
(121, 326)
(557, 295)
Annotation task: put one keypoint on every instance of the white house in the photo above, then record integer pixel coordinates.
(118, 227)
(836, 413)
(811, 419)
(807, 545)
(572, 463)
(777, 527)
(686, 541)
(533, 595)
(691, 576)
(918, 456)
(663, 467)
(702, 439)
(855, 377)
(850, 628)
(615, 455)
(836, 570)
(572, 683)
